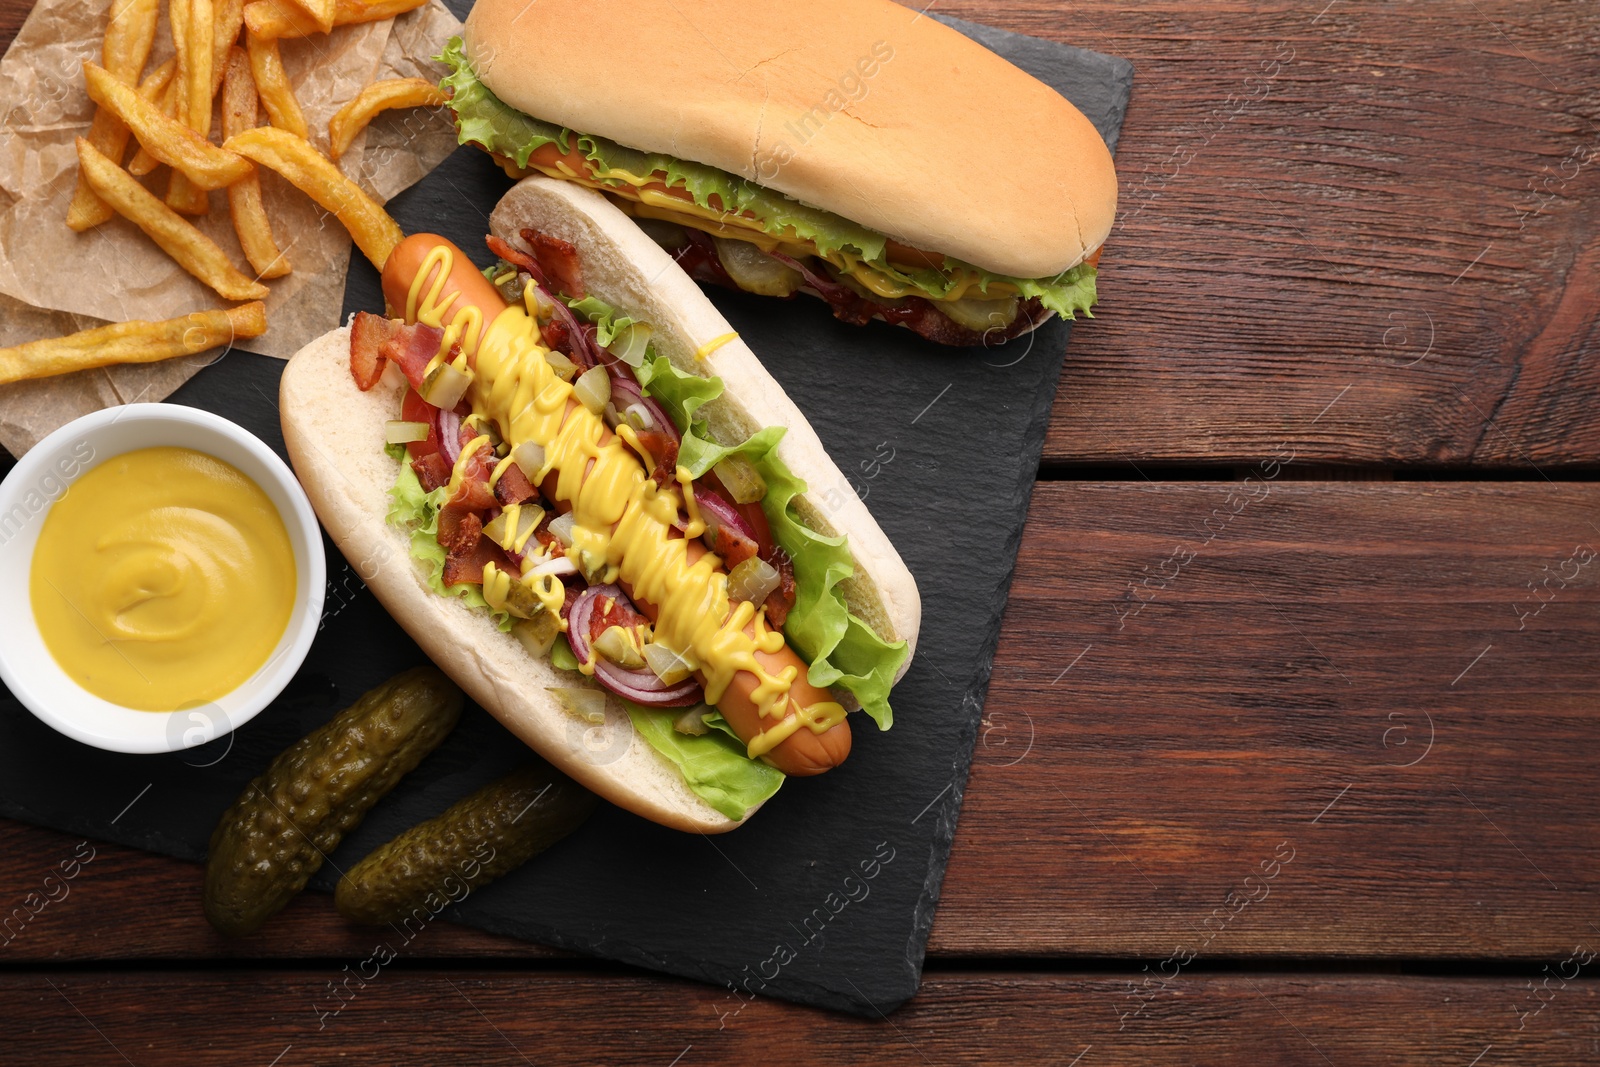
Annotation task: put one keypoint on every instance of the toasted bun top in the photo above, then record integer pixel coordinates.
(862, 107)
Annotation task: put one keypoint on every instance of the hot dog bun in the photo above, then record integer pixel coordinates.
(864, 107)
(333, 432)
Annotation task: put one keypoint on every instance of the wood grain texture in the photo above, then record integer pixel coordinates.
(1140, 761)
(12, 14)
(1310, 192)
(559, 1017)
(1136, 767)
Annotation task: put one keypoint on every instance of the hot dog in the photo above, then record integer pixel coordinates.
(896, 213)
(554, 503)
(803, 752)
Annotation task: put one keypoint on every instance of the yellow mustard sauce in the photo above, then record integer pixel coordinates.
(622, 521)
(162, 579)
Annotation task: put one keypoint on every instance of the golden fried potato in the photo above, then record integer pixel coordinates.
(208, 166)
(132, 342)
(379, 96)
(191, 249)
(272, 19)
(244, 196)
(130, 33)
(308, 170)
(161, 90)
(192, 29)
(272, 84)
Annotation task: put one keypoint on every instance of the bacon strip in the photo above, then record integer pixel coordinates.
(559, 260)
(663, 448)
(470, 552)
(474, 493)
(513, 486)
(374, 339)
(432, 471)
(517, 258)
(780, 601)
(619, 612)
(413, 347)
(369, 333)
(734, 547)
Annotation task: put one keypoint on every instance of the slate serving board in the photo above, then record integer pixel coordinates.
(827, 897)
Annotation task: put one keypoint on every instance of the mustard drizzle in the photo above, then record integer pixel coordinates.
(622, 520)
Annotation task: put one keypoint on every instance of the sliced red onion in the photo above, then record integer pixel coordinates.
(823, 286)
(640, 686)
(625, 393)
(449, 435)
(583, 353)
(717, 512)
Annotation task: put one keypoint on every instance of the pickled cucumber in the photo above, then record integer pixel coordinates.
(487, 835)
(275, 836)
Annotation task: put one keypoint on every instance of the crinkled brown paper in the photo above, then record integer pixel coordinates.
(55, 281)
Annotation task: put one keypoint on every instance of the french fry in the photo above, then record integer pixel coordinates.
(143, 162)
(132, 342)
(208, 166)
(130, 33)
(272, 84)
(197, 42)
(395, 92)
(184, 195)
(227, 19)
(109, 135)
(308, 170)
(191, 249)
(156, 82)
(178, 23)
(272, 19)
(244, 196)
(321, 12)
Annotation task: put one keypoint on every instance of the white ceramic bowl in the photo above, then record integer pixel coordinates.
(43, 475)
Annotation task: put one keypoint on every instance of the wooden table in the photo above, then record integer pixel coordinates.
(1286, 757)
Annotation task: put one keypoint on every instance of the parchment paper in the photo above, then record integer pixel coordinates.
(54, 281)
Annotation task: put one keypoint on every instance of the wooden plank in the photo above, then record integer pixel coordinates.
(1310, 193)
(1294, 665)
(1261, 727)
(12, 14)
(575, 1017)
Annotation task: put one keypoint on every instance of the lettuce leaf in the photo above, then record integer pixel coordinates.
(605, 319)
(482, 118)
(714, 765)
(561, 654)
(413, 510)
(841, 648)
(715, 721)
